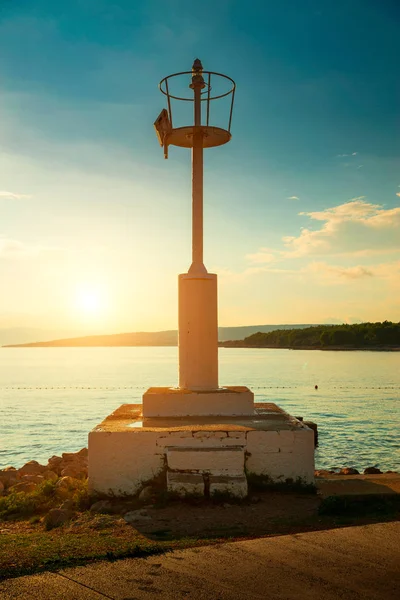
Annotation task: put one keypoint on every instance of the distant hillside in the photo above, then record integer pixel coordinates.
(157, 338)
(384, 336)
(25, 335)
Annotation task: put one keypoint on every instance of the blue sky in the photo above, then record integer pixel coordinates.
(302, 208)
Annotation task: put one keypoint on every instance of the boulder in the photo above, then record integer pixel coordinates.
(9, 476)
(348, 471)
(75, 470)
(56, 517)
(32, 468)
(84, 453)
(323, 473)
(32, 478)
(65, 487)
(372, 471)
(146, 494)
(67, 505)
(136, 515)
(54, 464)
(23, 486)
(102, 507)
(50, 476)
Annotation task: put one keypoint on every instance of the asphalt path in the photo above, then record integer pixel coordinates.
(352, 563)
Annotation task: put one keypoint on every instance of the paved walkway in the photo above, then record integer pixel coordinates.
(351, 563)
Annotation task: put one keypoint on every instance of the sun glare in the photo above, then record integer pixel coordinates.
(89, 301)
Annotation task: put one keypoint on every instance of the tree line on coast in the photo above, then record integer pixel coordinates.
(360, 335)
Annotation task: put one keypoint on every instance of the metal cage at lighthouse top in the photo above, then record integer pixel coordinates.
(200, 92)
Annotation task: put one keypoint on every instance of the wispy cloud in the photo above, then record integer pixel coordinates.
(293, 198)
(263, 256)
(344, 155)
(397, 193)
(337, 274)
(355, 227)
(12, 196)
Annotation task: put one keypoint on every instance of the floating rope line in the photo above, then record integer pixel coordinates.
(131, 387)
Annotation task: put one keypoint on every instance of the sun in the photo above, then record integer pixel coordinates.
(90, 301)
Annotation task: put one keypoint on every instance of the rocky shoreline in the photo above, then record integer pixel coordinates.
(61, 486)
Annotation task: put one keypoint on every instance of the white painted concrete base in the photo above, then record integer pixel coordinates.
(127, 450)
(176, 402)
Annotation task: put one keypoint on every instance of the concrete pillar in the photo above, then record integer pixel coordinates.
(198, 331)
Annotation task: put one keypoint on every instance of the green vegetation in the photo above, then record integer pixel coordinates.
(360, 335)
(373, 504)
(258, 483)
(18, 505)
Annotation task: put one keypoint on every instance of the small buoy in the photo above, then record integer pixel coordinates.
(315, 387)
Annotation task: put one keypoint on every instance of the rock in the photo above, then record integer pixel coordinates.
(348, 471)
(226, 505)
(23, 486)
(74, 470)
(102, 507)
(65, 487)
(372, 471)
(50, 476)
(146, 494)
(83, 453)
(54, 464)
(136, 515)
(323, 473)
(2, 487)
(56, 517)
(32, 468)
(67, 505)
(74, 457)
(32, 478)
(9, 476)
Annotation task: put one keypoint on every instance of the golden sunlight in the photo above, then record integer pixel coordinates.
(90, 300)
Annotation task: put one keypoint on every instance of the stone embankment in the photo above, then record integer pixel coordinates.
(351, 471)
(60, 469)
(58, 490)
(64, 474)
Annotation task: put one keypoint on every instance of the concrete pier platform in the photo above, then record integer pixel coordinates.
(128, 450)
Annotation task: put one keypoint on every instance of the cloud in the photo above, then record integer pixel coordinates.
(264, 255)
(293, 198)
(397, 193)
(12, 196)
(356, 227)
(337, 274)
(344, 155)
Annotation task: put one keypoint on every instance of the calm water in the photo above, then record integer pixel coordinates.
(51, 397)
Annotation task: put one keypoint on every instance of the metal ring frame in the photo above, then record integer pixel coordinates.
(207, 99)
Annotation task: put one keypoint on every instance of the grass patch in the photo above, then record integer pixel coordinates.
(360, 505)
(22, 504)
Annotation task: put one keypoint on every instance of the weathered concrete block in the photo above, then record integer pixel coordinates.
(120, 461)
(236, 486)
(170, 402)
(262, 442)
(185, 484)
(218, 461)
(297, 463)
(215, 439)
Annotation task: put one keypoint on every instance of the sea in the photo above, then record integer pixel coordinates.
(50, 398)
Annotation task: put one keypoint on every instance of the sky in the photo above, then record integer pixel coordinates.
(301, 208)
